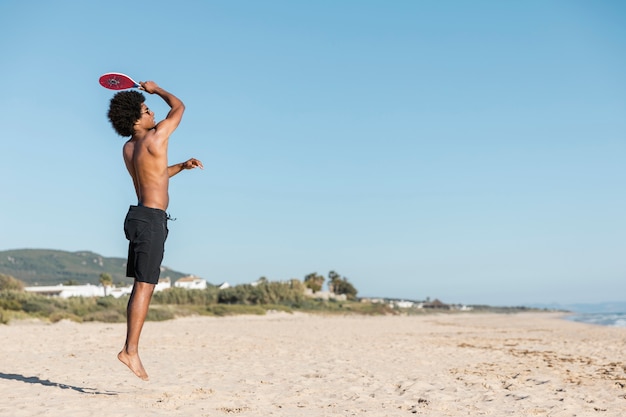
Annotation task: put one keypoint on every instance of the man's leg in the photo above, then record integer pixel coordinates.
(136, 313)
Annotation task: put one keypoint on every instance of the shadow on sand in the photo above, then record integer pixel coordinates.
(48, 383)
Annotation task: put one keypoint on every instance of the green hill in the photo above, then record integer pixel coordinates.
(51, 267)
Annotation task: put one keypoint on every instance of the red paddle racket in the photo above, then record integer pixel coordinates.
(117, 81)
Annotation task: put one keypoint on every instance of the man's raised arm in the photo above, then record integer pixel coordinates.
(177, 108)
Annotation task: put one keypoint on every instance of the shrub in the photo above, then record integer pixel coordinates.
(289, 293)
(159, 314)
(107, 316)
(7, 282)
(227, 310)
(12, 300)
(182, 296)
(39, 307)
(62, 315)
(4, 316)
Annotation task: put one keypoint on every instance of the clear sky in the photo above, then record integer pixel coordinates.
(471, 151)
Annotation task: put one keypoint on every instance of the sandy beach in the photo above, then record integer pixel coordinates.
(463, 364)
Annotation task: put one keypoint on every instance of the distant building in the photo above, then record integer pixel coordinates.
(324, 295)
(191, 283)
(67, 291)
(89, 290)
(403, 304)
(117, 292)
(373, 300)
(163, 284)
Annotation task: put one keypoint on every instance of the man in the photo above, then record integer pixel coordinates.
(145, 156)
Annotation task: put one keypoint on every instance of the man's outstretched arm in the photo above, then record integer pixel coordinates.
(189, 164)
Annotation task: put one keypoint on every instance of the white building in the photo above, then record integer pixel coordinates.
(66, 291)
(325, 295)
(89, 290)
(117, 292)
(404, 304)
(191, 283)
(163, 284)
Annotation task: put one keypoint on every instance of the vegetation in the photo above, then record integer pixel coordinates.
(257, 298)
(314, 282)
(106, 280)
(7, 282)
(341, 286)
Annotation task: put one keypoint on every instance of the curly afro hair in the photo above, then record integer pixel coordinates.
(125, 110)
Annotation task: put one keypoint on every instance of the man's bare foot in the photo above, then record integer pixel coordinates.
(134, 364)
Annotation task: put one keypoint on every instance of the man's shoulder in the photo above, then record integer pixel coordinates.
(147, 137)
(155, 137)
(129, 145)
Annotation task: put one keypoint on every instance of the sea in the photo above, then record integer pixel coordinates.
(601, 319)
(602, 314)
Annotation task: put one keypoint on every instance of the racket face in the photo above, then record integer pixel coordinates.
(117, 81)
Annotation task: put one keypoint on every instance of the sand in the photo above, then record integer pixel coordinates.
(462, 364)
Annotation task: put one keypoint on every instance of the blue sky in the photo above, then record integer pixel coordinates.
(467, 151)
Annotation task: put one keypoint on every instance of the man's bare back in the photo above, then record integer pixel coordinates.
(146, 161)
(145, 154)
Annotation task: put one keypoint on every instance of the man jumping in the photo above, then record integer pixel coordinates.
(145, 226)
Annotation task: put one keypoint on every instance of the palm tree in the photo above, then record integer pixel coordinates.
(314, 281)
(343, 286)
(106, 280)
(334, 282)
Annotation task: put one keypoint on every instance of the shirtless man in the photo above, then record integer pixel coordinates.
(145, 226)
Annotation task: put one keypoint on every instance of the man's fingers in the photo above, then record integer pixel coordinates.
(192, 163)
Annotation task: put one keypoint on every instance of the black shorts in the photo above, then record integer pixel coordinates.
(146, 230)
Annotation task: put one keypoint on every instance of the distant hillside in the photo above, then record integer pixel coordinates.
(51, 267)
